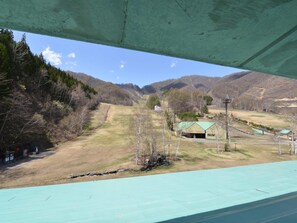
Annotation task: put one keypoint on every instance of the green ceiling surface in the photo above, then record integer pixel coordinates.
(249, 34)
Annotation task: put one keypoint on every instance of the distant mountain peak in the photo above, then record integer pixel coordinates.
(184, 82)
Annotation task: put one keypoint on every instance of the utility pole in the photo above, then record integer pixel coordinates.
(227, 101)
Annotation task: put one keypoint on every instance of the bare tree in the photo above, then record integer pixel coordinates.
(293, 128)
(217, 139)
(19, 120)
(179, 134)
(179, 101)
(163, 131)
(143, 136)
(139, 128)
(150, 144)
(4, 88)
(276, 138)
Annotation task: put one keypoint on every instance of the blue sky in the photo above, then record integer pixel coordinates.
(115, 64)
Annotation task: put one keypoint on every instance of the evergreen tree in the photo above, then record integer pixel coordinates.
(208, 99)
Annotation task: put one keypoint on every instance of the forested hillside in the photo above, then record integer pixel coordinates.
(123, 94)
(38, 103)
(248, 90)
(257, 91)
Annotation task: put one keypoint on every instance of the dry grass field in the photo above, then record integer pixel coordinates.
(264, 118)
(98, 149)
(106, 145)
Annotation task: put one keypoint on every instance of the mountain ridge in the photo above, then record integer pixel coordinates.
(190, 81)
(248, 89)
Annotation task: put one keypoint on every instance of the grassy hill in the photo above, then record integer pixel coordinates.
(134, 91)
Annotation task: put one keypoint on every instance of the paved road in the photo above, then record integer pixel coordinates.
(281, 209)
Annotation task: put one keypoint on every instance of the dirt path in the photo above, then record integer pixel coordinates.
(89, 152)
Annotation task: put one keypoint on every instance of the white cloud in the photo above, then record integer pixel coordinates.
(52, 57)
(173, 64)
(71, 55)
(118, 77)
(122, 64)
(111, 71)
(71, 63)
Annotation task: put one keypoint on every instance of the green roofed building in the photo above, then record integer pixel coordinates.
(205, 130)
(285, 132)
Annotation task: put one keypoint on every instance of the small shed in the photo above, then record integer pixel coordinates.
(286, 132)
(204, 130)
(258, 131)
(157, 108)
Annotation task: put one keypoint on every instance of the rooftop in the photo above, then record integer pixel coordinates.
(186, 125)
(285, 131)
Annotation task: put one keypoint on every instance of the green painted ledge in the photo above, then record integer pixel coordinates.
(148, 198)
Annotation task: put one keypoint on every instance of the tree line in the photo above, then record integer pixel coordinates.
(187, 105)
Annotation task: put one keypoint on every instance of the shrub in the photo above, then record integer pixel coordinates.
(227, 147)
(152, 101)
(204, 109)
(188, 116)
(208, 99)
(169, 121)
